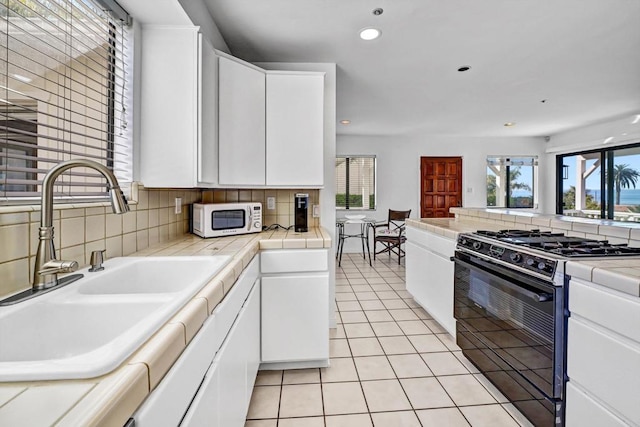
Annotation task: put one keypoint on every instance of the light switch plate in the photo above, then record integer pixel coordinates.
(271, 203)
(178, 205)
(316, 211)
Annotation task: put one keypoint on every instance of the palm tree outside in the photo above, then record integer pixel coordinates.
(624, 176)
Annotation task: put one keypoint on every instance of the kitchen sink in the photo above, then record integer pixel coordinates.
(147, 275)
(88, 328)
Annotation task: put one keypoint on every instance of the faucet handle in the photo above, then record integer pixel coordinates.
(97, 258)
(56, 266)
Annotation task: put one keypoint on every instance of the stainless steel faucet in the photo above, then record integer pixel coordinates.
(47, 267)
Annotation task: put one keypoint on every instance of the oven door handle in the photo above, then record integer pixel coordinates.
(538, 297)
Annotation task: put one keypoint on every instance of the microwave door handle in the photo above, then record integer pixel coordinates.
(249, 219)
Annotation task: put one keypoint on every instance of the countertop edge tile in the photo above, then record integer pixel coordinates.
(161, 351)
(112, 401)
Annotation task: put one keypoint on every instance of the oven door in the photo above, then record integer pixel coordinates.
(510, 326)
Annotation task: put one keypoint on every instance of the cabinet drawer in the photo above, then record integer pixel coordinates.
(607, 366)
(443, 246)
(166, 405)
(582, 410)
(226, 312)
(417, 236)
(618, 312)
(293, 261)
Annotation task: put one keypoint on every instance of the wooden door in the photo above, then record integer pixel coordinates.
(440, 186)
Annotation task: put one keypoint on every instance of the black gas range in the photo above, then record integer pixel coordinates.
(538, 253)
(511, 311)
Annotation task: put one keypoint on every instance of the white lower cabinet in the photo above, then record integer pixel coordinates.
(429, 274)
(275, 317)
(603, 356)
(211, 382)
(295, 324)
(295, 307)
(223, 398)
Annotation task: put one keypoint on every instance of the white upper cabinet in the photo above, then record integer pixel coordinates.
(295, 123)
(178, 116)
(241, 124)
(270, 126)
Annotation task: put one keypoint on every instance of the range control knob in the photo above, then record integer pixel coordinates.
(477, 245)
(257, 224)
(530, 262)
(541, 266)
(515, 257)
(463, 242)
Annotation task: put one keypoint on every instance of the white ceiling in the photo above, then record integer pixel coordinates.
(582, 56)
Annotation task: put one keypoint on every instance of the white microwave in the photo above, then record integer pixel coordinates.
(226, 219)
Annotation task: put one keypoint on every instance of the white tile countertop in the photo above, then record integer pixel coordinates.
(622, 274)
(451, 227)
(111, 399)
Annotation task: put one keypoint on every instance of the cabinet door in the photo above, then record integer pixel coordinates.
(208, 115)
(417, 271)
(241, 112)
(239, 358)
(581, 410)
(295, 317)
(430, 282)
(205, 407)
(251, 337)
(295, 124)
(169, 112)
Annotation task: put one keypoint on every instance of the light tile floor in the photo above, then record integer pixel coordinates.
(392, 365)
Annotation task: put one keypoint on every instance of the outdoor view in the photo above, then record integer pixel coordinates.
(582, 189)
(510, 181)
(355, 182)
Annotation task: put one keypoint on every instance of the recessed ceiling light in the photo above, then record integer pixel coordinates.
(21, 78)
(509, 124)
(370, 33)
(377, 11)
(636, 119)
(345, 122)
(464, 68)
(544, 101)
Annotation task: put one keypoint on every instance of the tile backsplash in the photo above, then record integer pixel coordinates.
(80, 230)
(283, 214)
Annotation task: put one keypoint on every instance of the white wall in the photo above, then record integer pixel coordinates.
(398, 161)
(616, 132)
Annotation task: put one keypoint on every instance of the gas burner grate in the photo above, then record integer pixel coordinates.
(559, 244)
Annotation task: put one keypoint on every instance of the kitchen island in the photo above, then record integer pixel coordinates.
(110, 400)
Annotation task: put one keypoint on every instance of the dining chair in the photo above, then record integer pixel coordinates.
(391, 234)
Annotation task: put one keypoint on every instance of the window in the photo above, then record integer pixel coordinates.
(511, 181)
(600, 183)
(356, 182)
(63, 95)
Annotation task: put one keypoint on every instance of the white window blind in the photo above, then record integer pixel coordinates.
(356, 182)
(63, 95)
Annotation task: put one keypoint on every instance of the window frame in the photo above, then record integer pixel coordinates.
(607, 195)
(346, 192)
(507, 159)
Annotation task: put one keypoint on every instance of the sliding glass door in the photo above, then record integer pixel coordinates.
(600, 183)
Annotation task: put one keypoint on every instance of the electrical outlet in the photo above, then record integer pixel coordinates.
(316, 211)
(271, 203)
(178, 205)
